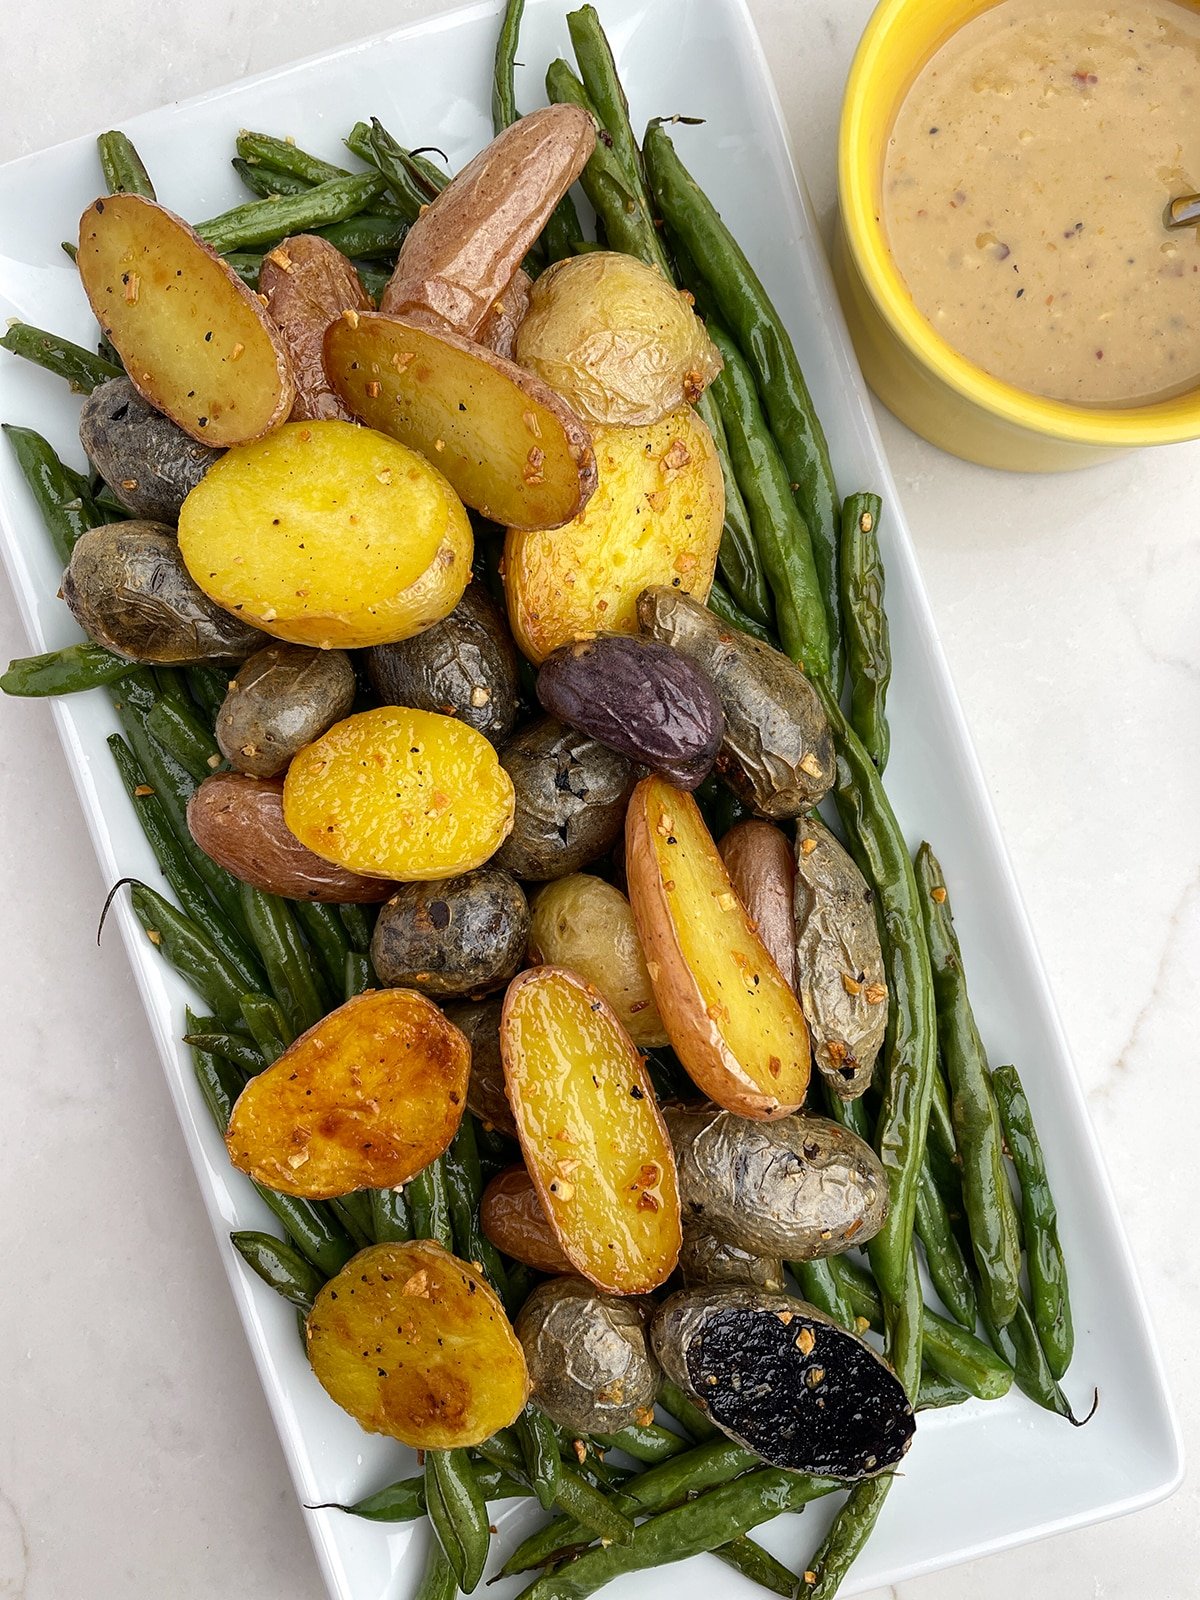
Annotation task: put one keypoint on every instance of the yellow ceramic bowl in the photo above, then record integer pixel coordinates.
(917, 375)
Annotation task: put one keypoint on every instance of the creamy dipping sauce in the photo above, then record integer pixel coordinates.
(1024, 189)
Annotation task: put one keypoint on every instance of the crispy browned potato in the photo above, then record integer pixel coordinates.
(194, 340)
(762, 869)
(366, 1098)
(499, 329)
(238, 821)
(734, 1023)
(515, 1220)
(511, 447)
(594, 1141)
(308, 282)
(461, 253)
(413, 1343)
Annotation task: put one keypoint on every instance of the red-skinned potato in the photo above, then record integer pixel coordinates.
(499, 329)
(514, 1219)
(308, 282)
(758, 858)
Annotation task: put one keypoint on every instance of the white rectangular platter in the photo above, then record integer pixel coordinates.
(980, 1477)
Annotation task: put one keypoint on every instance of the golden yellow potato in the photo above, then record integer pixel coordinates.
(327, 534)
(616, 339)
(655, 518)
(396, 793)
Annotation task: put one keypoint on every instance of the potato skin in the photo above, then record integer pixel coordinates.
(798, 1189)
(571, 794)
(842, 981)
(762, 869)
(639, 698)
(586, 925)
(479, 1021)
(498, 331)
(706, 1261)
(238, 821)
(514, 1219)
(308, 282)
(464, 666)
(282, 698)
(149, 462)
(455, 937)
(587, 1355)
(129, 590)
(777, 754)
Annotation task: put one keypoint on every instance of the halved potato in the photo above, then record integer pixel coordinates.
(510, 446)
(412, 1342)
(734, 1023)
(330, 535)
(363, 1100)
(594, 1141)
(195, 341)
(396, 793)
(655, 518)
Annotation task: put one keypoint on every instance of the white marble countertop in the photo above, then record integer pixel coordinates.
(137, 1458)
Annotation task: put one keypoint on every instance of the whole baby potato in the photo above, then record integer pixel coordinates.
(466, 666)
(129, 590)
(283, 698)
(514, 1219)
(571, 794)
(640, 698)
(147, 460)
(308, 282)
(704, 1259)
(459, 936)
(479, 1020)
(499, 330)
(587, 1354)
(762, 869)
(585, 924)
(616, 339)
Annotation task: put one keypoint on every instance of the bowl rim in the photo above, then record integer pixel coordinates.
(1167, 421)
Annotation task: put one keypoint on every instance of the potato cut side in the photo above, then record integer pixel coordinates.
(412, 1342)
(655, 518)
(195, 341)
(594, 1141)
(328, 534)
(363, 1100)
(510, 446)
(396, 793)
(733, 1021)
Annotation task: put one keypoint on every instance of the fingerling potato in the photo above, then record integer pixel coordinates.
(514, 1219)
(571, 794)
(308, 282)
(499, 328)
(479, 1021)
(453, 937)
(705, 1261)
(588, 1357)
(282, 698)
(148, 461)
(758, 858)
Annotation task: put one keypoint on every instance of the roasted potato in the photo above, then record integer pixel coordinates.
(308, 282)
(588, 1358)
(785, 1380)
(364, 1100)
(730, 1016)
(586, 925)
(706, 1261)
(129, 590)
(413, 1343)
(512, 448)
(194, 340)
(640, 698)
(329, 535)
(400, 794)
(590, 1129)
(479, 1020)
(283, 698)
(463, 250)
(616, 339)
(465, 666)
(778, 754)
(454, 937)
(798, 1188)
(238, 821)
(149, 462)
(499, 328)
(839, 962)
(571, 795)
(762, 869)
(655, 518)
(514, 1219)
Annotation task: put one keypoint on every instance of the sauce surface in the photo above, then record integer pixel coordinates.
(1024, 188)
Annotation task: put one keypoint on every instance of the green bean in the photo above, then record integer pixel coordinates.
(289, 971)
(185, 738)
(598, 70)
(739, 558)
(170, 684)
(948, 1267)
(220, 1083)
(410, 184)
(573, 1495)
(327, 934)
(753, 321)
(261, 221)
(268, 182)
(987, 1198)
(458, 1513)
(247, 265)
(684, 1410)
(358, 927)
(936, 1392)
(269, 1028)
(66, 511)
(70, 670)
(81, 369)
(1020, 1346)
(722, 604)
(564, 236)
(504, 89)
(359, 975)
(208, 687)
(367, 236)
(1049, 1295)
(820, 1288)
(757, 1564)
(649, 1442)
(286, 156)
(124, 171)
(405, 1501)
(280, 1266)
(539, 1447)
(184, 945)
(429, 1205)
(437, 1581)
(868, 645)
(234, 1048)
(464, 1189)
